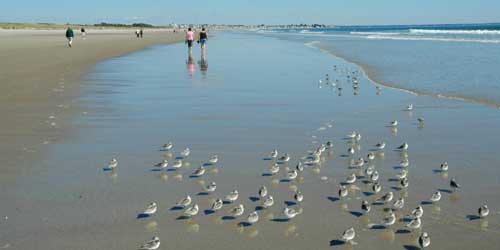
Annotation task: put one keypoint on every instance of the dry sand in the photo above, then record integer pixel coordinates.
(39, 77)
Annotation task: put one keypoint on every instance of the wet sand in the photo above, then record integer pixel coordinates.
(243, 106)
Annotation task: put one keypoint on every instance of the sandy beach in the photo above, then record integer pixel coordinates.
(41, 76)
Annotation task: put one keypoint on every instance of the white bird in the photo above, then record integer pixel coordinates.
(192, 211)
(483, 211)
(290, 213)
(184, 202)
(211, 187)
(420, 120)
(444, 166)
(404, 182)
(214, 159)
(329, 145)
(253, 217)
(292, 175)
(394, 123)
(380, 145)
(404, 163)
(162, 164)
(351, 150)
(435, 197)
(113, 163)
(369, 170)
(414, 224)
(152, 244)
(365, 206)
(454, 184)
(273, 153)
(275, 168)
(199, 171)
(402, 174)
(387, 197)
(417, 212)
(185, 153)
(351, 178)
(351, 135)
(299, 197)
(299, 167)
(376, 187)
(398, 204)
(403, 146)
(231, 197)
(268, 202)
(357, 137)
(285, 158)
(151, 209)
(390, 219)
(358, 163)
(374, 176)
(177, 164)
(424, 240)
(167, 146)
(263, 191)
(409, 107)
(349, 235)
(237, 211)
(343, 191)
(217, 205)
(371, 156)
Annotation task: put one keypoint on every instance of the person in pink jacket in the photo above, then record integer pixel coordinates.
(189, 38)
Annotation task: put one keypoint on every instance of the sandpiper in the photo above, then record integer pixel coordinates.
(113, 163)
(418, 212)
(213, 159)
(275, 168)
(292, 175)
(454, 184)
(348, 235)
(343, 192)
(231, 197)
(393, 123)
(185, 153)
(290, 213)
(211, 187)
(162, 164)
(424, 240)
(268, 202)
(177, 164)
(263, 191)
(435, 197)
(483, 211)
(365, 206)
(152, 244)
(351, 178)
(237, 211)
(192, 211)
(398, 204)
(217, 205)
(444, 166)
(380, 145)
(253, 217)
(184, 202)
(387, 197)
(151, 209)
(298, 196)
(403, 146)
(414, 224)
(167, 146)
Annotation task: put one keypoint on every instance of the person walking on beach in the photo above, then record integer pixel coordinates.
(189, 38)
(137, 33)
(69, 36)
(82, 30)
(141, 33)
(202, 39)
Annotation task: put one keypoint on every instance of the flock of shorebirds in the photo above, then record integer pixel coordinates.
(279, 164)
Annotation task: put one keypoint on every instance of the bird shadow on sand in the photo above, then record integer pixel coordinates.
(143, 216)
(194, 176)
(345, 155)
(395, 188)
(443, 190)
(378, 227)
(438, 171)
(410, 247)
(290, 203)
(406, 219)
(426, 203)
(179, 158)
(377, 203)
(397, 167)
(183, 217)
(208, 164)
(267, 159)
(228, 217)
(226, 202)
(281, 220)
(155, 170)
(176, 208)
(333, 199)
(254, 198)
(106, 169)
(402, 231)
(285, 180)
(208, 211)
(337, 242)
(356, 214)
(368, 193)
(244, 224)
(267, 174)
(472, 217)
(393, 180)
(171, 170)
(202, 194)
(259, 208)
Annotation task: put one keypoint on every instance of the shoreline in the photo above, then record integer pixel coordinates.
(42, 78)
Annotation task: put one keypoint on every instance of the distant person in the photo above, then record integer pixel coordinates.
(189, 38)
(137, 33)
(69, 36)
(202, 38)
(141, 33)
(82, 30)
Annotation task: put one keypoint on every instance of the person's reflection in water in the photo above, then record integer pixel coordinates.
(203, 64)
(190, 64)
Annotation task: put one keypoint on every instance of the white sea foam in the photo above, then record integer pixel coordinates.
(311, 32)
(374, 33)
(413, 38)
(457, 32)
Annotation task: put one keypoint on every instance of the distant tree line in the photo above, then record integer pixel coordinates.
(141, 25)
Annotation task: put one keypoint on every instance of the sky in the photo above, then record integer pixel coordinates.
(336, 12)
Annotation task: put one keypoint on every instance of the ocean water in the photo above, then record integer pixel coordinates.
(452, 61)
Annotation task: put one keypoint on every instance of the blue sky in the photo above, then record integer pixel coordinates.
(340, 12)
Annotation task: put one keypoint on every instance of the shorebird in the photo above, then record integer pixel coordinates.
(184, 202)
(435, 197)
(192, 211)
(231, 197)
(454, 184)
(275, 168)
(292, 175)
(409, 107)
(214, 159)
(404, 163)
(199, 171)
(357, 137)
(402, 174)
(365, 206)
(177, 164)
(404, 182)
(285, 158)
(369, 170)
(387, 197)
(253, 217)
(358, 163)
(217, 205)
(444, 166)
(374, 176)
(299, 167)
(390, 219)
(424, 240)
(380, 145)
(162, 164)
(290, 213)
(329, 145)
(185, 152)
(371, 156)
(403, 147)
(273, 153)
(351, 178)
(151, 209)
(420, 120)
(348, 235)
(351, 135)
(393, 123)
(113, 163)
(414, 224)
(152, 244)
(263, 191)
(237, 211)
(343, 192)
(376, 188)
(298, 196)
(268, 202)
(168, 146)
(483, 211)
(211, 187)
(417, 212)
(398, 204)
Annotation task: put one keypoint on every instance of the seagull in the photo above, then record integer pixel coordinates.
(390, 219)
(192, 211)
(177, 164)
(113, 163)
(387, 197)
(263, 191)
(217, 205)
(380, 145)
(185, 152)
(371, 156)
(299, 197)
(444, 166)
(162, 164)
(292, 175)
(435, 197)
(168, 146)
(393, 123)
(153, 244)
(253, 217)
(275, 168)
(199, 171)
(365, 206)
(409, 107)
(398, 204)
(343, 192)
(184, 202)
(268, 202)
(424, 240)
(349, 235)
(454, 184)
(231, 197)
(376, 188)
(290, 213)
(214, 159)
(404, 182)
(417, 212)
(211, 187)
(285, 158)
(414, 224)
(151, 209)
(403, 147)
(483, 211)
(273, 153)
(237, 211)
(351, 178)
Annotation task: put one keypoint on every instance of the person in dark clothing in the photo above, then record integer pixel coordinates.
(69, 36)
(141, 32)
(202, 38)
